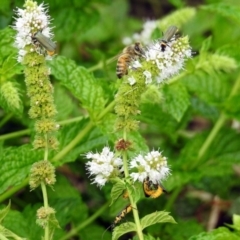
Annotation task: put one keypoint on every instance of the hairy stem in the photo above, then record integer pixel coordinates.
(133, 203)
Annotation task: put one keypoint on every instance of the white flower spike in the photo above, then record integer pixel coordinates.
(103, 166)
(153, 166)
(29, 21)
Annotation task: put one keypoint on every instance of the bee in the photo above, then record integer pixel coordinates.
(167, 36)
(129, 54)
(152, 190)
(39, 39)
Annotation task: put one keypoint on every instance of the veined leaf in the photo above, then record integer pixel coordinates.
(225, 9)
(81, 83)
(15, 165)
(122, 229)
(157, 217)
(176, 100)
(117, 191)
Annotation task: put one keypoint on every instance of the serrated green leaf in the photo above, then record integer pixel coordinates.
(122, 229)
(10, 99)
(176, 100)
(221, 233)
(15, 164)
(225, 9)
(157, 217)
(81, 83)
(210, 88)
(117, 191)
(4, 212)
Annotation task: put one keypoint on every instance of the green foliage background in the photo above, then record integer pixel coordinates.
(178, 118)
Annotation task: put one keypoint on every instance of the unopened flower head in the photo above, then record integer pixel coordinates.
(153, 166)
(104, 166)
(28, 22)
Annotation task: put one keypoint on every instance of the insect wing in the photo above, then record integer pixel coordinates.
(46, 42)
(169, 34)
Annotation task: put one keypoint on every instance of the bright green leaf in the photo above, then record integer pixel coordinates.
(117, 191)
(122, 229)
(156, 217)
(4, 212)
(176, 100)
(221, 233)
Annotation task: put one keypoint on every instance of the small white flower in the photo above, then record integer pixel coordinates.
(136, 64)
(145, 36)
(148, 76)
(103, 166)
(30, 20)
(131, 80)
(153, 165)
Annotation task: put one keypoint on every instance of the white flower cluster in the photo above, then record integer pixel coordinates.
(103, 166)
(30, 20)
(159, 64)
(153, 166)
(170, 61)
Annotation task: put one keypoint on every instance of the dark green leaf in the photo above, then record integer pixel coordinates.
(81, 83)
(16, 163)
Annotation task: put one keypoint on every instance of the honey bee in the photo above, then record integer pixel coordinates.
(128, 55)
(152, 190)
(167, 36)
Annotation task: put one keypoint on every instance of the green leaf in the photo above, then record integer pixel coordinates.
(225, 9)
(117, 191)
(148, 237)
(15, 165)
(176, 100)
(156, 217)
(4, 212)
(122, 229)
(236, 221)
(10, 99)
(81, 83)
(16, 223)
(221, 233)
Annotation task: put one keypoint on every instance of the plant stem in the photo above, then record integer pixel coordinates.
(218, 125)
(133, 203)
(5, 119)
(3, 237)
(13, 190)
(172, 198)
(27, 131)
(45, 201)
(81, 135)
(89, 220)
